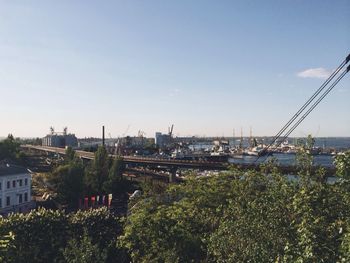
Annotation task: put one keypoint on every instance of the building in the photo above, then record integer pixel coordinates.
(62, 139)
(162, 140)
(15, 189)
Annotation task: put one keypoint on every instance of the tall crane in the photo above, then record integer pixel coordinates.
(171, 130)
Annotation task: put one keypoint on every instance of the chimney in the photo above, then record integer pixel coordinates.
(103, 136)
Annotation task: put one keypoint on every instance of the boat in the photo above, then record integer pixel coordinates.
(255, 151)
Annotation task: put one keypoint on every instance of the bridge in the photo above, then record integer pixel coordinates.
(135, 161)
(171, 165)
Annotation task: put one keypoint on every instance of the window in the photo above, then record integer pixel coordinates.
(8, 184)
(26, 181)
(0, 186)
(0, 203)
(8, 203)
(13, 183)
(20, 182)
(25, 197)
(20, 199)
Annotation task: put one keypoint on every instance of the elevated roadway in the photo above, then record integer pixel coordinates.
(170, 164)
(139, 161)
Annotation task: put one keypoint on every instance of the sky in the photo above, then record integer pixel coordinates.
(211, 68)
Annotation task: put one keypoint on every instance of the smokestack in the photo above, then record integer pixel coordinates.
(103, 136)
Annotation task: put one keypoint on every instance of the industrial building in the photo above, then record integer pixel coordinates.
(60, 139)
(164, 140)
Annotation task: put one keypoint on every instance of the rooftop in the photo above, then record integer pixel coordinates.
(7, 168)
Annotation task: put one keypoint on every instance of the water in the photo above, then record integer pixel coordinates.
(337, 143)
(284, 159)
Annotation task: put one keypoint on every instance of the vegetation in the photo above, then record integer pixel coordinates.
(97, 173)
(114, 183)
(236, 216)
(52, 236)
(9, 148)
(71, 180)
(244, 217)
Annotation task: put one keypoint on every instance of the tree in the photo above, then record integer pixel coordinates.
(97, 174)
(175, 226)
(70, 155)
(67, 181)
(37, 236)
(115, 183)
(53, 236)
(242, 216)
(102, 227)
(82, 250)
(9, 148)
(342, 163)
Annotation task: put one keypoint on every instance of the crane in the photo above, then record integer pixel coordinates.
(171, 130)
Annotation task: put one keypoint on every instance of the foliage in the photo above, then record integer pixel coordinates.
(5, 245)
(304, 159)
(97, 174)
(38, 236)
(319, 212)
(49, 236)
(256, 223)
(236, 216)
(102, 227)
(342, 163)
(9, 148)
(173, 227)
(71, 155)
(242, 216)
(83, 250)
(345, 246)
(67, 181)
(115, 183)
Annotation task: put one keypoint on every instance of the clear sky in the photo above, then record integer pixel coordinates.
(207, 67)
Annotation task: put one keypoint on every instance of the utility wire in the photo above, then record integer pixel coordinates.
(315, 104)
(307, 103)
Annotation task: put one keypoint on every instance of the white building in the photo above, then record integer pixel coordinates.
(15, 189)
(58, 140)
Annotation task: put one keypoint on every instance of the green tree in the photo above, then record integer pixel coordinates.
(175, 226)
(102, 227)
(71, 155)
(342, 163)
(52, 236)
(82, 250)
(318, 211)
(9, 148)
(37, 236)
(255, 225)
(97, 174)
(67, 181)
(5, 245)
(345, 246)
(115, 183)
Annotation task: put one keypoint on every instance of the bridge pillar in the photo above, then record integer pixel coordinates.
(172, 175)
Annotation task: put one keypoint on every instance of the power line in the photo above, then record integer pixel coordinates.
(316, 103)
(307, 103)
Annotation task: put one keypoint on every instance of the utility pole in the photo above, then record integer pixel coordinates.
(103, 136)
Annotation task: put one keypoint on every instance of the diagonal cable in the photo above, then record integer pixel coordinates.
(313, 106)
(307, 103)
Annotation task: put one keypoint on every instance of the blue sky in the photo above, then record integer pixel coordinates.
(207, 67)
